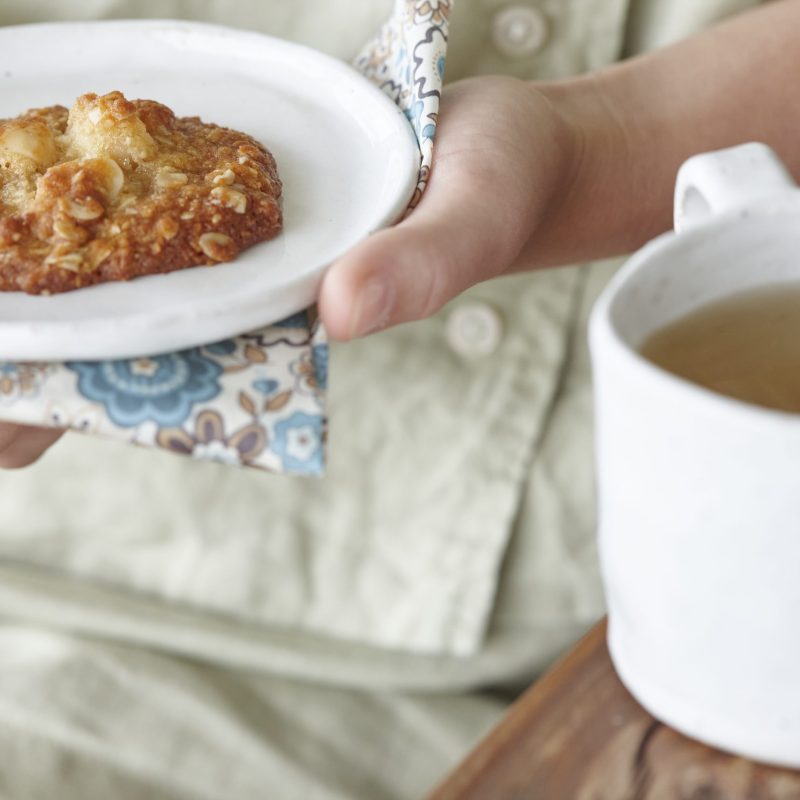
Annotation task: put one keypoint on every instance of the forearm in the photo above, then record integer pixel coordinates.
(635, 123)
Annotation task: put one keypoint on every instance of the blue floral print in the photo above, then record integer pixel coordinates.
(299, 320)
(266, 385)
(299, 442)
(319, 354)
(414, 115)
(224, 348)
(161, 389)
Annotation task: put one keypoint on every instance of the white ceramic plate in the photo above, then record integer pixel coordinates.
(345, 152)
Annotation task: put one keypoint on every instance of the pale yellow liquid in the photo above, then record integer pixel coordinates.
(746, 346)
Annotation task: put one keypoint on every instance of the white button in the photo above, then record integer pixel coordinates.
(519, 31)
(474, 329)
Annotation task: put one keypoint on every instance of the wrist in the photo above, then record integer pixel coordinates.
(594, 164)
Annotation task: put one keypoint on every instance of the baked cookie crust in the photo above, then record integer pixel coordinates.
(113, 189)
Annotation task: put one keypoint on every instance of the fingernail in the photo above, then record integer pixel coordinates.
(373, 307)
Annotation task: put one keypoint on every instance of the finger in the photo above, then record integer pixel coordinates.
(464, 231)
(410, 271)
(8, 432)
(21, 445)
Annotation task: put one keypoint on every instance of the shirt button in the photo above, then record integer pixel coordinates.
(474, 329)
(519, 31)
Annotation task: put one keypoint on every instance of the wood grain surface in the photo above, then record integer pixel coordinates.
(577, 734)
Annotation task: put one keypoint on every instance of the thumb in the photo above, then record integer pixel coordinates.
(455, 238)
(21, 445)
(487, 189)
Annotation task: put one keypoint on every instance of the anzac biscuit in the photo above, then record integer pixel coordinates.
(114, 189)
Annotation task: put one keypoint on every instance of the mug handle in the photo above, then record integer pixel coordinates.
(713, 183)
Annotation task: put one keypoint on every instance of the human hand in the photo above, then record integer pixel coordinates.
(21, 445)
(503, 157)
(527, 175)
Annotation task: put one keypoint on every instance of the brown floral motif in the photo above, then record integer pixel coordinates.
(208, 442)
(236, 355)
(407, 60)
(21, 380)
(424, 176)
(435, 11)
(305, 371)
(244, 359)
(374, 60)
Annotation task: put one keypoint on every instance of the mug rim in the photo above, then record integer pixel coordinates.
(604, 332)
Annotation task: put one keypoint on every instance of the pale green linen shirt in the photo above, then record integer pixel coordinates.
(452, 542)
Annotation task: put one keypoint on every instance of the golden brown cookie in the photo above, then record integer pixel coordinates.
(113, 189)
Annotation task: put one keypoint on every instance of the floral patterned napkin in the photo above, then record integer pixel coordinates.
(257, 400)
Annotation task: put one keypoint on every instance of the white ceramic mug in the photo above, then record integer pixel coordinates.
(699, 494)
